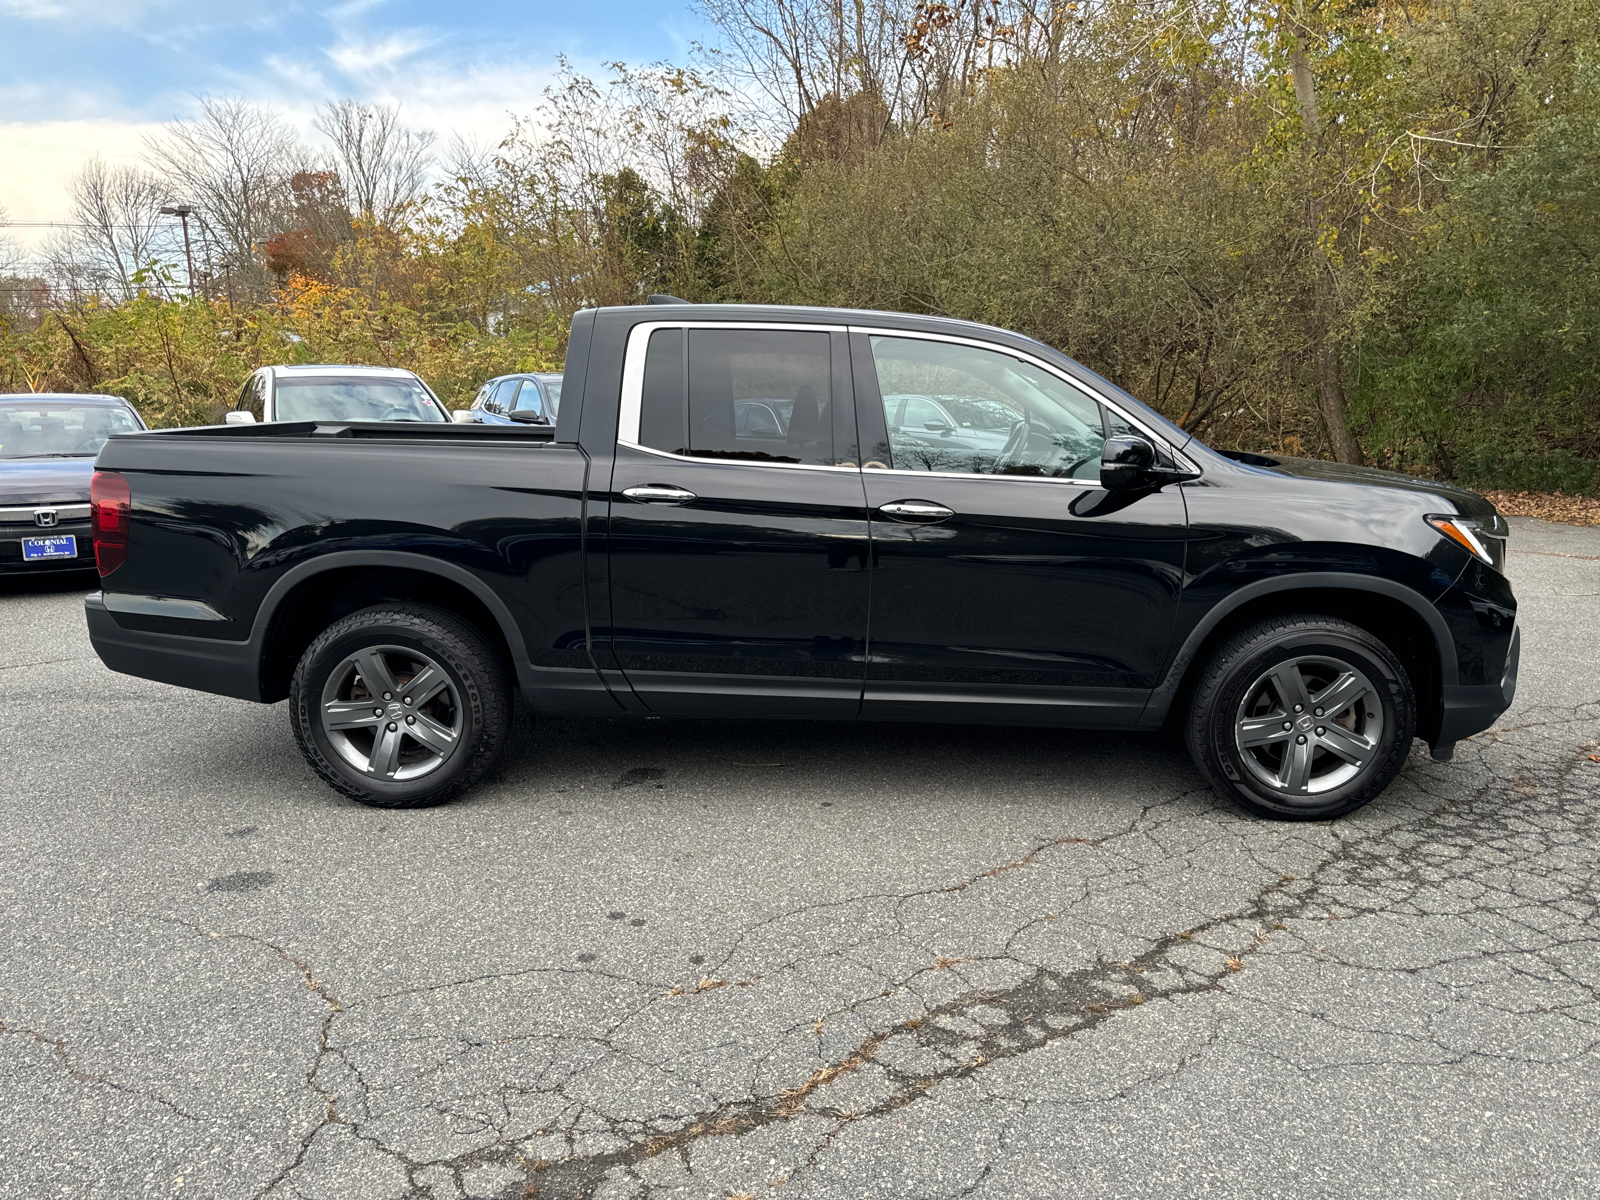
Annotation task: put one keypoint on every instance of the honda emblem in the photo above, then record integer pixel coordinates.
(45, 517)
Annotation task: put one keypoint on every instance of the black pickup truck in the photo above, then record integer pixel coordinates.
(789, 512)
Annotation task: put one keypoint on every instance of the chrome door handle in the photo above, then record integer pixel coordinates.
(917, 512)
(656, 493)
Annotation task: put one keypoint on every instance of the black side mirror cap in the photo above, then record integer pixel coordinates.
(1126, 462)
(528, 417)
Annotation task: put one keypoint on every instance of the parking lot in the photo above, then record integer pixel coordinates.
(791, 959)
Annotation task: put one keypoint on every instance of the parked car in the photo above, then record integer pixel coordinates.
(533, 398)
(47, 446)
(652, 555)
(335, 393)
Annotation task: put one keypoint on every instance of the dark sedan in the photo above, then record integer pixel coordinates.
(48, 444)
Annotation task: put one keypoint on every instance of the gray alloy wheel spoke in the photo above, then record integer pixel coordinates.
(1291, 685)
(431, 734)
(1351, 747)
(1297, 768)
(375, 671)
(1263, 731)
(385, 759)
(425, 685)
(1340, 694)
(351, 714)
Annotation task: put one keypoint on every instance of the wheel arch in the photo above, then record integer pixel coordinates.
(312, 595)
(1391, 612)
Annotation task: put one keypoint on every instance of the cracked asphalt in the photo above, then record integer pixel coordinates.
(684, 960)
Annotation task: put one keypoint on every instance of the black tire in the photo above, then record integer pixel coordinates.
(1258, 749)
(473, 705)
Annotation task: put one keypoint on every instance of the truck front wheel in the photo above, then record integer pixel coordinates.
(1301, 717)
(400, 705)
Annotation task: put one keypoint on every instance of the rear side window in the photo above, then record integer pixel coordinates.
(499, 402)
(756, 395)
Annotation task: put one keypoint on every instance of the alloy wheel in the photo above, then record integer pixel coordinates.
(391, 712)
(1309, 725)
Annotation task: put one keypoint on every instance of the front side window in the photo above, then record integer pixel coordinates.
(353, 398)
(757, 395)
(965, 410)
(42, 429)
(529, 398)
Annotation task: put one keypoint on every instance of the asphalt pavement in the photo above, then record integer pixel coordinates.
(795, 960)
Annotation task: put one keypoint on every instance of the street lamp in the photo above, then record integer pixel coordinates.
(183, 213)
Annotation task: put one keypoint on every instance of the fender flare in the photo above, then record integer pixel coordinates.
(1160, 702)
(261, 628)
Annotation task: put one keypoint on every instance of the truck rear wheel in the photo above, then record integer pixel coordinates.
(1301, 718)
(400, 705)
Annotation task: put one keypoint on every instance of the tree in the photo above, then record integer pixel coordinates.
(382, 165)
(117, 210)
(235, 162)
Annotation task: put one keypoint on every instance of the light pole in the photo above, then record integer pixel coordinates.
(183, 212)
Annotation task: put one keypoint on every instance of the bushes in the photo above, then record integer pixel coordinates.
(182, 362)
(1515, 471)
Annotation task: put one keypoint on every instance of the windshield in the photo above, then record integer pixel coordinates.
(552, 391)
(60, 429)
(335, 398)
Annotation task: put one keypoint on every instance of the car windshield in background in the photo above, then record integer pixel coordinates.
(60, 430)
(336, 398)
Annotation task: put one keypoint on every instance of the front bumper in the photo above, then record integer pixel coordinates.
(1472, 708)
(204, 664)
(12, 562)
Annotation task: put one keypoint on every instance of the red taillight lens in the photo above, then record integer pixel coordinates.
(110, 504)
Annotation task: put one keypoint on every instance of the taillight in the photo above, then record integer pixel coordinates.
(110, 504)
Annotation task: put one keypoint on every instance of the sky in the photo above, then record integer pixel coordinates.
(95, 76)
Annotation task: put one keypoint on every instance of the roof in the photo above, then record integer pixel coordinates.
(339, 369)
(74, 397)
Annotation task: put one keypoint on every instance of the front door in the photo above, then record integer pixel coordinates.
(738, 536)
(1007, 584)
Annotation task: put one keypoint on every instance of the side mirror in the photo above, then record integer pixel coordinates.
(526, 416)
(239, 417)
(464, 416)
(939, 427)
(1126, 462)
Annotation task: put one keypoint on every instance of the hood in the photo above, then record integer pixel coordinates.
(1463, 501)
(44, 480)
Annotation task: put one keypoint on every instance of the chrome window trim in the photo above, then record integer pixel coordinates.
(633, 377)
(1056, 479)
(731, 462)
(1050, 369)
(633, 395)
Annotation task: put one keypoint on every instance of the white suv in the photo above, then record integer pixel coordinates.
(335, 393)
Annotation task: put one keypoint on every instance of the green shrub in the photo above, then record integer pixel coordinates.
(1556, 471)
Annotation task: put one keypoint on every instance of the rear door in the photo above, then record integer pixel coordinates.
(1007, 584)
(738, 528)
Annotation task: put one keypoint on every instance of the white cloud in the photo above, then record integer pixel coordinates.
(39, 159)
(121, 14)
(364, 59)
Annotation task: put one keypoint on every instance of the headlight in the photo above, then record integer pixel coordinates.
(1482, 537)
